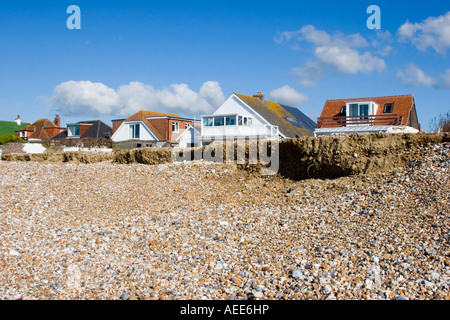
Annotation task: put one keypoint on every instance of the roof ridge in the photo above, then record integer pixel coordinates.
(394, 96)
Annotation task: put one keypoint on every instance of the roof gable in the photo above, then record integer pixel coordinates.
(291, 121)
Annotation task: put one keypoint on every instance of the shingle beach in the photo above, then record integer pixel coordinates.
(201, 230)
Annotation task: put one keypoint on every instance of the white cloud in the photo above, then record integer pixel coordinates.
(414, 76)
(312, 70)
(350, 61)
(86, 97)
(341, 52)
(289, 96)
(433, 32)
(445, 80)
(79, 96)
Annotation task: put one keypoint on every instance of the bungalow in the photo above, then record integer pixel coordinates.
(41, 130)
(242, 117)
(391, 114)
(85, 129)
(148, 129)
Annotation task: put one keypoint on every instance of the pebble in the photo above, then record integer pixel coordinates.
(199, 230)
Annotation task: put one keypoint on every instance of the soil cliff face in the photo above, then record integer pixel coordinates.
(307, 157)
(337, 156)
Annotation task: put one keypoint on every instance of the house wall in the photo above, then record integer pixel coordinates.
(164, 126)
(26, 133)
(123, 133)
(181, 128)
(413, 121)
(133, 144)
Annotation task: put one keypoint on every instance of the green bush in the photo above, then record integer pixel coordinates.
(8, 137)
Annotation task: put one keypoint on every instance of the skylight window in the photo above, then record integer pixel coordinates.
(388, 107)
(293, 121)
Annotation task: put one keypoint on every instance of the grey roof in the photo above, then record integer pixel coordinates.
(98, 130)
(291, 121)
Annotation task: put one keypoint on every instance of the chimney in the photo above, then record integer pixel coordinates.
(18, 120)
(57, 121)
(259, 95)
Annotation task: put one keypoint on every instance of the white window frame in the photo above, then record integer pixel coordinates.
(134, 130)
(175, 127)
(69, 131)
(372, 110)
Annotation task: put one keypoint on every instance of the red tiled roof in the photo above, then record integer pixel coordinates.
(37, 129)
(402, 105)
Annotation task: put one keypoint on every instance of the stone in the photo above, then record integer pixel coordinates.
(297, 274)
(258, 295)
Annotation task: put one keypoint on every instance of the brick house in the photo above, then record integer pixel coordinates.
(390, 114)
(41, 130)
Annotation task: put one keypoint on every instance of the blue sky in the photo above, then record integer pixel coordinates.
(186, 57)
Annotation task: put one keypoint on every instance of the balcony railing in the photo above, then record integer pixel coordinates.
(374, 120)
(240, 131)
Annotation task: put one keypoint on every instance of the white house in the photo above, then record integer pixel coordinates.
(243, 117)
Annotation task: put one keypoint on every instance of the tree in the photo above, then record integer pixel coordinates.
(441, 123)
(8, 137)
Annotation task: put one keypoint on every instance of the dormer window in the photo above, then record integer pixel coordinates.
(360, 112)
(388, 107)
(73, 130)
(343, 111)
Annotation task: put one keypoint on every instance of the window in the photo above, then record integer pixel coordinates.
(175, 127)
(343, 111)
(239, 120)
(135, 131)
(186, 125)
(388, 107)
(230, 121)
(359, 110)
(293, 121)
(208, 122)
(218, 121)
(74, 131)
